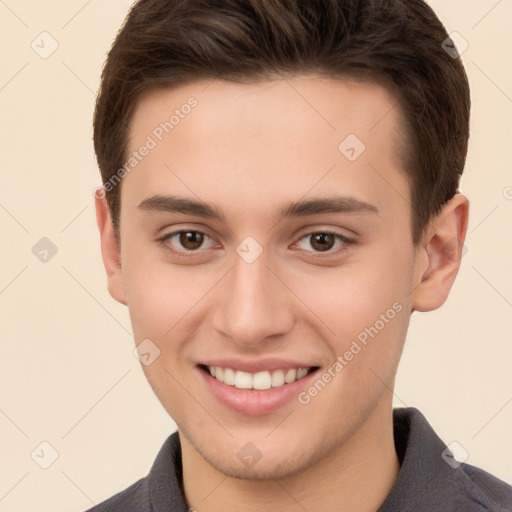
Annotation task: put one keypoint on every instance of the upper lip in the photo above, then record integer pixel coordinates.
(255, 366)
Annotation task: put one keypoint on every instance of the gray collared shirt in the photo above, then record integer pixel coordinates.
(430, 480)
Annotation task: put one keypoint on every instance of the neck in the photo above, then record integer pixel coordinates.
(357, 476)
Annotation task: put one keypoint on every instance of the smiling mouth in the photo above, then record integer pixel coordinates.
(257, 381)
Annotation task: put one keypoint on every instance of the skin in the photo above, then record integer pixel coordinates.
(248, 149)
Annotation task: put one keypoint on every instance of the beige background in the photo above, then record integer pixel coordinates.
(68, 374)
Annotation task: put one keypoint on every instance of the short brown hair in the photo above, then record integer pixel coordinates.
(397, 43)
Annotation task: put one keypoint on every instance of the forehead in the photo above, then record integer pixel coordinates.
(328, 104)
(284, 136)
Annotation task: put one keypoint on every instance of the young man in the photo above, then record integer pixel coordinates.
(281, 181)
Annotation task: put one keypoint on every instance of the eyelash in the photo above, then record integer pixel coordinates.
(196, 253)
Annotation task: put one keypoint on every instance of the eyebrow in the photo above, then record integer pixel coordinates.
(174, 204)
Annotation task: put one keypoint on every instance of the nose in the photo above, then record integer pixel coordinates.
(253, 305)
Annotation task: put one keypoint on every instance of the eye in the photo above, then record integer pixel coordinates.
(186, 241)
(324, 241)
(190, 243)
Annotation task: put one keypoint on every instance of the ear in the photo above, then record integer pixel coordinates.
(440, 254)
(110, 249)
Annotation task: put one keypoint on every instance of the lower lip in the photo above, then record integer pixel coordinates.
(255, 402)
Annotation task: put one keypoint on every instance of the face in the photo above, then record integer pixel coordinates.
(266, 239)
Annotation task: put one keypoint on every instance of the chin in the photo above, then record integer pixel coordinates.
(275, 462)
(263, 470)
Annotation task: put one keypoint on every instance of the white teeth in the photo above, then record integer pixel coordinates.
(277, 378)
(302, 372)
(290, 376)
(243, 380)
(229, 377)
(260, 380)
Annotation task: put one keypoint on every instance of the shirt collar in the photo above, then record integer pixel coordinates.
(423, 470)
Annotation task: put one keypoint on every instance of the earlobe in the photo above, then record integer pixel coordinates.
(441, 255)
(110, 251)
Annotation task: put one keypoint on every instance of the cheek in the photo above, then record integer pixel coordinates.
(161, 297)
(348, 299)
(365, 329)
(363, 311)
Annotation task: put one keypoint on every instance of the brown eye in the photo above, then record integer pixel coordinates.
(322, 241)
(186, 243)
(191, 240)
